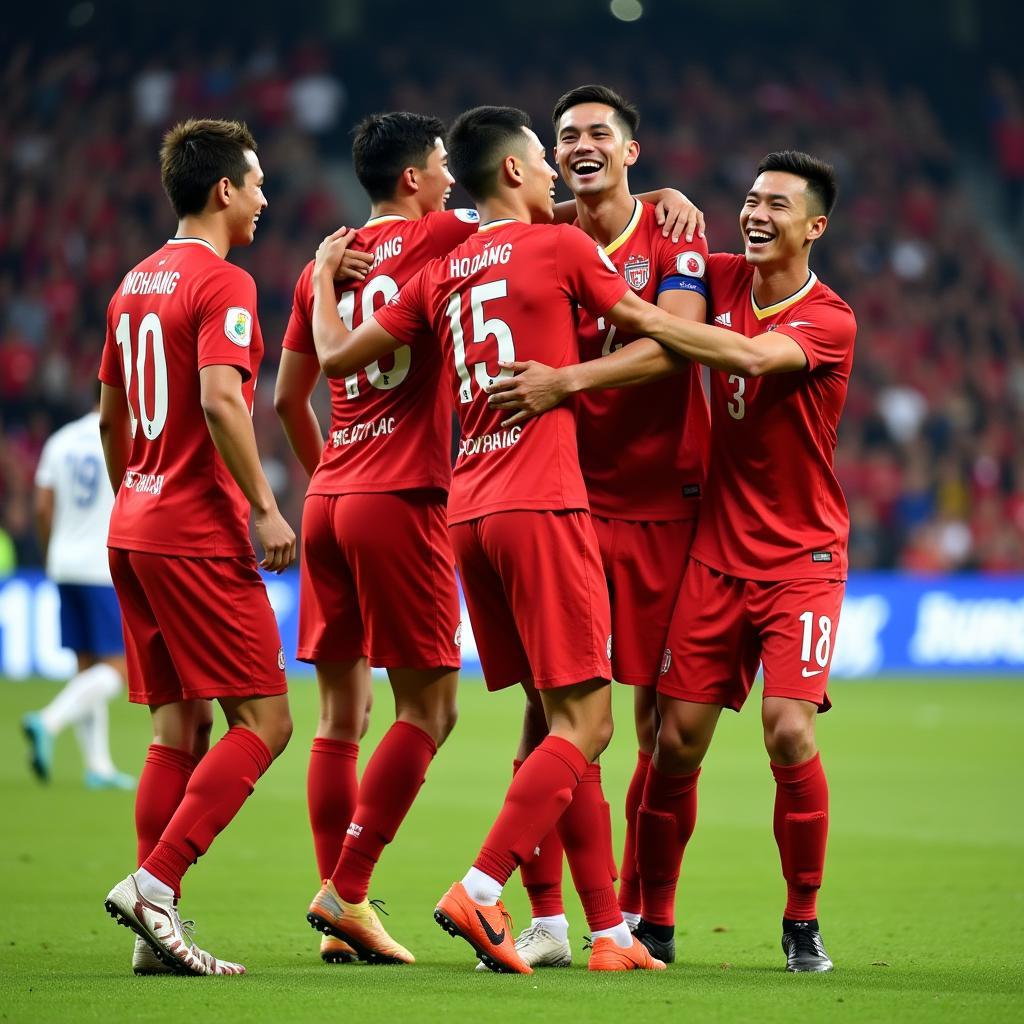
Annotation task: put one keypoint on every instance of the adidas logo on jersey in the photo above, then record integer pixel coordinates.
(724, 319)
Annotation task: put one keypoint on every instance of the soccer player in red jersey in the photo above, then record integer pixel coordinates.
(643, 452)
(526, 549)
(179, 368)
(767, 568)
(378, 573)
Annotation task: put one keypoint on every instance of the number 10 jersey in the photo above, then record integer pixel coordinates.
(180, 309)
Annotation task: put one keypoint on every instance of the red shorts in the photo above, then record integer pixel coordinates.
(723, 627)
(644, 564)
(536, 596)
(196, 628)
(377, 580)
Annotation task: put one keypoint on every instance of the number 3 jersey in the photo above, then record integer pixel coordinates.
(773, 508)
(511, 292)
(391, 422)
(179, 310)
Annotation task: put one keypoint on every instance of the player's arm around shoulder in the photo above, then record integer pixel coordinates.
(340, 350)
(717, 347)
(230, 425)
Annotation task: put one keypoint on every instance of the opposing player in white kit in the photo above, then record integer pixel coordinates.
(73, 499)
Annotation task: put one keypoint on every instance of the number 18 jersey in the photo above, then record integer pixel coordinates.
(511, 292)
(180, 309)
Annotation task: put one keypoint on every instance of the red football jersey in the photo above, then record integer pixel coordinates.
(509, 293)
(644, 450)
(391, 421)
(179, 310)
(773, 508)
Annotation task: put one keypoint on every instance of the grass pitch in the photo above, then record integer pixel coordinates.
(921, 910)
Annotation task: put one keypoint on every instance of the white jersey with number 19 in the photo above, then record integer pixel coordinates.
(179, 310)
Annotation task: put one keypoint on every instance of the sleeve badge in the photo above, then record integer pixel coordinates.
(690, 264)
(238, 326)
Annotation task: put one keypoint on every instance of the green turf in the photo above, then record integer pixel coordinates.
(921, 911)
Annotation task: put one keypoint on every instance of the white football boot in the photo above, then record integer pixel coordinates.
(157, 923)
(539, 948)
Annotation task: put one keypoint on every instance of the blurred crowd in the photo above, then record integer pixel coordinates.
(931, 451)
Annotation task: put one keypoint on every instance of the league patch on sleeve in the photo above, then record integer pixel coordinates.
(467, 216)
(238, 326)
(606, 260)
(691, 264)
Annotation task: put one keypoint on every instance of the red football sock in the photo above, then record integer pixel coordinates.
(390, 783)
(219, 786)
(801, 831)
(540, 791)
(629, 877)
(331, 790)
(542, 873)
(165, 775)
(665, 823)
(585, 828)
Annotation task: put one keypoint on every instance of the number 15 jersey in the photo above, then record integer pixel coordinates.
(509, 293)
(180, 309)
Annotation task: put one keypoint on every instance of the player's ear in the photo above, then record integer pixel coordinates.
(512, 169)
(816, 227)
(632, 152)
(221, 192)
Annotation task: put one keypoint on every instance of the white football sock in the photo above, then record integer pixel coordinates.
(482, 888)
(79, 696)
(558, 925)
(620, 933)
(93, 734)
(632, 920)
(152, 888)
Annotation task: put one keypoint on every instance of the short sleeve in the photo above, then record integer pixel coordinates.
(298, 335)
(404, 316)
(450, 228)
(824, 330)
(111, 371)
(46, 471)
(586, 272)
(682, 264)
(226, 305)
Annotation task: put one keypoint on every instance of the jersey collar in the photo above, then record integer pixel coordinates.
(383, 219)
(192, 241)
(634, 220)
(492, 224)
(777, 307)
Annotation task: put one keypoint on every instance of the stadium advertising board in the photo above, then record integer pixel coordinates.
(890, 623)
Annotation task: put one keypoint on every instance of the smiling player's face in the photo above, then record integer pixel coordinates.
(248, 202)
(435, 179)
(778, 218)
(592, 149)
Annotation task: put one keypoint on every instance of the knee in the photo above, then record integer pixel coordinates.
(601, 737)
(276, 733)
(789, 740)
(678, 749)
(535, 724)
(446, 723)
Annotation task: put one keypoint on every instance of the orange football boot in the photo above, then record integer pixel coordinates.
(487, 929)
(358, 925)
(608, 955)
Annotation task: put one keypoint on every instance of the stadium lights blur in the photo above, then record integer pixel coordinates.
(627, 10)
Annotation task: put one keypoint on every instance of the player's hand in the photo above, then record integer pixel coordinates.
(678, 216)
(332, 249)
(354, 266)
(534, 389)
(276, 538)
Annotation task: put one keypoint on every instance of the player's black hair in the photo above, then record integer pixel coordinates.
(629, 116)
(479, 140)
(385, 144)
(819, 175)
(196, 154)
